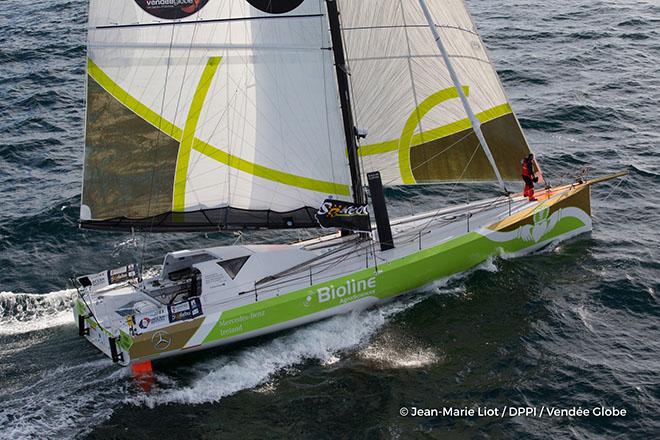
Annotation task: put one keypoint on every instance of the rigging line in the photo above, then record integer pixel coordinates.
(153, 167)
(454, 187)
(406, 26)
(401, 57)
(354, 104)
(614, 189)
(323, 267)
(437, 154)
(217, 20)
(325, 94)
(476, 124)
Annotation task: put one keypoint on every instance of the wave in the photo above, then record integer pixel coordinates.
(65, 402)
(84, 395)
(28, 312)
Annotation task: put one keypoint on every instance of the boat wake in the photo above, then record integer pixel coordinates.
(28, 312)
(323, 341)
(390, 350)
(64, 402)
(45, 394)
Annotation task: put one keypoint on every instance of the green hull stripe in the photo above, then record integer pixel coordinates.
(392, 279)
(187, 141)
(436, 133)
(325, 187)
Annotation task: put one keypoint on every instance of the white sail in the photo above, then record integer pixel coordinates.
(211, 113)
(404, 96)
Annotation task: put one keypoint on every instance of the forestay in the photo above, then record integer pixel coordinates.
(403, 94)
(206, 114)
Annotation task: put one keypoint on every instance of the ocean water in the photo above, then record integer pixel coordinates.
(577, 326)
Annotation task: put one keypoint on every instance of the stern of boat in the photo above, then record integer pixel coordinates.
(114, 344)
(95, 311)
(129, 323)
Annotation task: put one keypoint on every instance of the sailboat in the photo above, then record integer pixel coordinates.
(212, 115)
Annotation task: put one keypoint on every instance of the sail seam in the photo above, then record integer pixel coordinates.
(416, 57)
(407, 26)
(219, 20)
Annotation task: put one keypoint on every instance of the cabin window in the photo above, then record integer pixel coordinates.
(233, 266)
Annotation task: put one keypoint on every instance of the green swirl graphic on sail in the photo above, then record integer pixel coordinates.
(188, 142)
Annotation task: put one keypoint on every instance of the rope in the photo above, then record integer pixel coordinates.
(614, 189)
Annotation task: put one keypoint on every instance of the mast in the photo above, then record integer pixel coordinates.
(476, 124)
(345, 101)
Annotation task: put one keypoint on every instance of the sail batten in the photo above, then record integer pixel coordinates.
(209, 21)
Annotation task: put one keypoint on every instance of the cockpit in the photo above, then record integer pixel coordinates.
(179, 280)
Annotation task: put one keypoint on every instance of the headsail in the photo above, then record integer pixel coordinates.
(403, 94)
(209, 114)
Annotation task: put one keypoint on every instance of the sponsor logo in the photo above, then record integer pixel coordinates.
(343, 215)
(189, 309)
(144, 322)
(161, 340)
(171, 9)
(544, 223)
(276, 7)
(541, 215)
(332, 209)
(349, 291)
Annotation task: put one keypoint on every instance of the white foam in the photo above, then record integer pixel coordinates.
(392, 355)
(488, 265)
(28, 312)
(64, 403)
(71, 400)
(255, 366)
(585, 317)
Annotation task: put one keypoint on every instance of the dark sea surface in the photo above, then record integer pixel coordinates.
(576, 326)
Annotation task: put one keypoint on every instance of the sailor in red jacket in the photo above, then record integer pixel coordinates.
(529, 176)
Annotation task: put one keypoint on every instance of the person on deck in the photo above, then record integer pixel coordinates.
(529, 176)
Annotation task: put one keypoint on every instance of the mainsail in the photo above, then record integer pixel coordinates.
(419, 131)
(206, 114)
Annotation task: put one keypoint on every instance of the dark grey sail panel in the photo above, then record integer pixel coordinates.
(129, 163)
